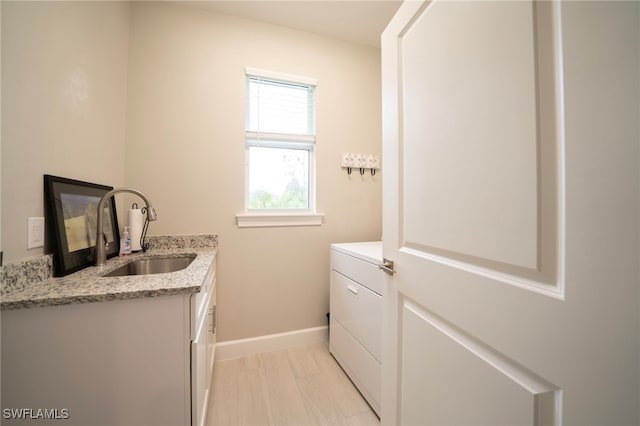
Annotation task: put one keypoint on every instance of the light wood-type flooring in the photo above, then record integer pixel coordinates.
(298, 386)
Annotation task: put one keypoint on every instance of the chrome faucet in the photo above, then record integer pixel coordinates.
(101, 256)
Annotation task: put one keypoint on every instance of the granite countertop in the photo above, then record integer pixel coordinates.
(88, 285)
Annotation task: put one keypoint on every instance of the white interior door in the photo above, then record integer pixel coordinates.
(511, 302)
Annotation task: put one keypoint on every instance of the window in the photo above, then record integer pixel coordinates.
(280, 143)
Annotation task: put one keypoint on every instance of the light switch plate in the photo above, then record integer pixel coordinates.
(35, 234)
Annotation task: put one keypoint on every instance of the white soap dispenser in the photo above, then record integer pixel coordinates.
(125, 242)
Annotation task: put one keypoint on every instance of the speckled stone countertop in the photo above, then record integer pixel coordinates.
(89, 285)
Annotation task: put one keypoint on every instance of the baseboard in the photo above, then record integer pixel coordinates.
(271, 342)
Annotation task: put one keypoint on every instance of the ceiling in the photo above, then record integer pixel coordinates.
(356, 21)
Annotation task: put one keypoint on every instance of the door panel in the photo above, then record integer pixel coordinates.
(451, 378)
(453, 385)
(465, 160)
(484, 167)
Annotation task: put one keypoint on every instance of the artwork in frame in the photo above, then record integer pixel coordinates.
(71, 210)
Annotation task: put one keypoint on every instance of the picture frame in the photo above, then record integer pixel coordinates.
(71, 208)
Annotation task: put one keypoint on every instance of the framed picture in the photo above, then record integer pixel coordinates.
(71, 210)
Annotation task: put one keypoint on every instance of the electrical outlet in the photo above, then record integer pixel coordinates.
(35, 235)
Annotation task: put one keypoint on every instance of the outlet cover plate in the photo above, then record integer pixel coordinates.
(35, 234)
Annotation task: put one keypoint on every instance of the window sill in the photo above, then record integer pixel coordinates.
(261, 220)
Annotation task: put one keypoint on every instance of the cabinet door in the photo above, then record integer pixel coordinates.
(105, 362)
(199, 375)
(203, 348)
(211, 337)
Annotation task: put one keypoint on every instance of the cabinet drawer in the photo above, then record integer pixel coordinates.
(358, 310)
(360, 366)
(363, 272)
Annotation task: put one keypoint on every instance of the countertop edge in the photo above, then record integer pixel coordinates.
(88, 285)
(74, 300)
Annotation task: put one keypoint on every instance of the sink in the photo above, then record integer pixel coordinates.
(152, 266)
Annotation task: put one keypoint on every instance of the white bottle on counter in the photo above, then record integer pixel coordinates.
(125, 242)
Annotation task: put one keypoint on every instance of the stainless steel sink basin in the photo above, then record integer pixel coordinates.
(152, 266)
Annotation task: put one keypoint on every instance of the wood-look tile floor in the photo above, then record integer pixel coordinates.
(298, 386)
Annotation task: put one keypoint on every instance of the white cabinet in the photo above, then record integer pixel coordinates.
(144, 361)
(203, 348)
(356, 315)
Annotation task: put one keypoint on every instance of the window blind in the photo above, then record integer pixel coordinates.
(280, 110)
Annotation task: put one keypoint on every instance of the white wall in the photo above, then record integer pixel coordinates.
(185, 148)
(64, 68)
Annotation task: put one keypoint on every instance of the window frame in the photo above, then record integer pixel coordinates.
(253, 217)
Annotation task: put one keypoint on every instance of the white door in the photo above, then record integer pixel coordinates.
(511, 213)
